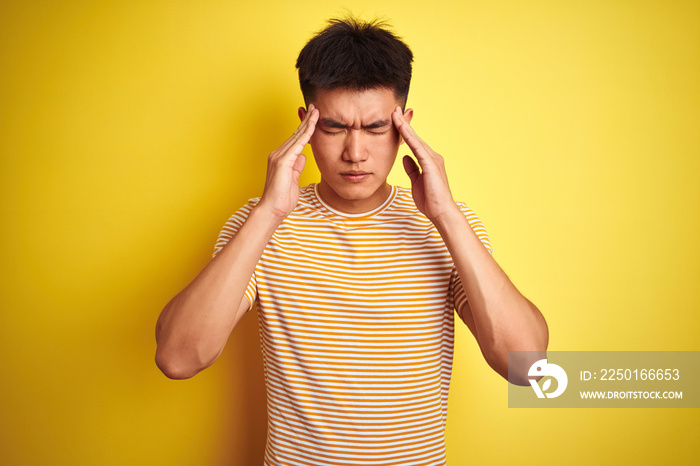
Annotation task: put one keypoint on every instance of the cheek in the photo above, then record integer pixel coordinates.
(389, 145)
(326, 145)
(323, 152)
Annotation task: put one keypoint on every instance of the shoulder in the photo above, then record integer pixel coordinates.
(404, 195)
(403, 201)
(468, 212)
(308, 207)
(242, 213)
(476, 224)
(307, 195)
(234, 223)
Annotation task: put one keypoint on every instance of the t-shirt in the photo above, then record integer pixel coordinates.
(356, 315)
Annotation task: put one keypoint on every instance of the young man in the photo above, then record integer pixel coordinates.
(356, 280)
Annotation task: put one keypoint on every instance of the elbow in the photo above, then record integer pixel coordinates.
(511, 347)
(182, 357)
(514, 365)
(512, 358)
(171, 368)
(177, 367)
(520, 360)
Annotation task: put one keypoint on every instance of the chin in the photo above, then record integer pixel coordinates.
(356, 191)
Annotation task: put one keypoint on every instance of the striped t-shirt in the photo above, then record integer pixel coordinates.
(356, 324)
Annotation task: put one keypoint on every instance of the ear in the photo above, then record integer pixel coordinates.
(302, 113)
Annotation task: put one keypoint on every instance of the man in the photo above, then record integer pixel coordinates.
(356, 280)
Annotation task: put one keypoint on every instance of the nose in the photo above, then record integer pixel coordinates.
(355, 149)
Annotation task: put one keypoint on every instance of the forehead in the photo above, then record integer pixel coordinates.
(351, 106)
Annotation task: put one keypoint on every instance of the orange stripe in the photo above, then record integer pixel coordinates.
(400, 267)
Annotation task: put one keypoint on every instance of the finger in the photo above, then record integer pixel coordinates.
(311, 114)
(298, 167)
(419, 148)
(403, 125)
(411, 167)
(309, 119)
(305, 121)
(306, 131)
(303, 131)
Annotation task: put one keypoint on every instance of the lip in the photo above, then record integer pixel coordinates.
(355, 175)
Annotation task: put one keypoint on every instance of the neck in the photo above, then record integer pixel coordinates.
(353, 205)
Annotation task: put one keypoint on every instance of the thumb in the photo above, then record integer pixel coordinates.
(411, 168)
(298, 166)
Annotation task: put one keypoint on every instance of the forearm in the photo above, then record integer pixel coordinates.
(503, 318)
(194, 326)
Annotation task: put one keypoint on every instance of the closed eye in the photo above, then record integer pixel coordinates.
(332, 133)
(378, 133)
(374, 133)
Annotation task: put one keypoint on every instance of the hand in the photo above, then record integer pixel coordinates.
(431, 191)
(284, 166)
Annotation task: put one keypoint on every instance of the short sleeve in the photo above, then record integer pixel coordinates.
(228, 231)
(460, 297)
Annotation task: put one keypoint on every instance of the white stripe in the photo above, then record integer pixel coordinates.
(356, 330)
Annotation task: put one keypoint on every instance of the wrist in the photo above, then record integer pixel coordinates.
(268, 212)
(265, 217)
(449, 217)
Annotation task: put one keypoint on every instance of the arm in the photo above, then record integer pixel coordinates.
(194, 326)
(500, 318)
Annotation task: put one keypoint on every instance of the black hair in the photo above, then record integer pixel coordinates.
(354, 54)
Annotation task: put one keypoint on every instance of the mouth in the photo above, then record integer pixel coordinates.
(355, 175)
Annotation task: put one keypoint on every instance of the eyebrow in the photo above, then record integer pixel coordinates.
(331, 123)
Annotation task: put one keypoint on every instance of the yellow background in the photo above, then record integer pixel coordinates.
(131, 130)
